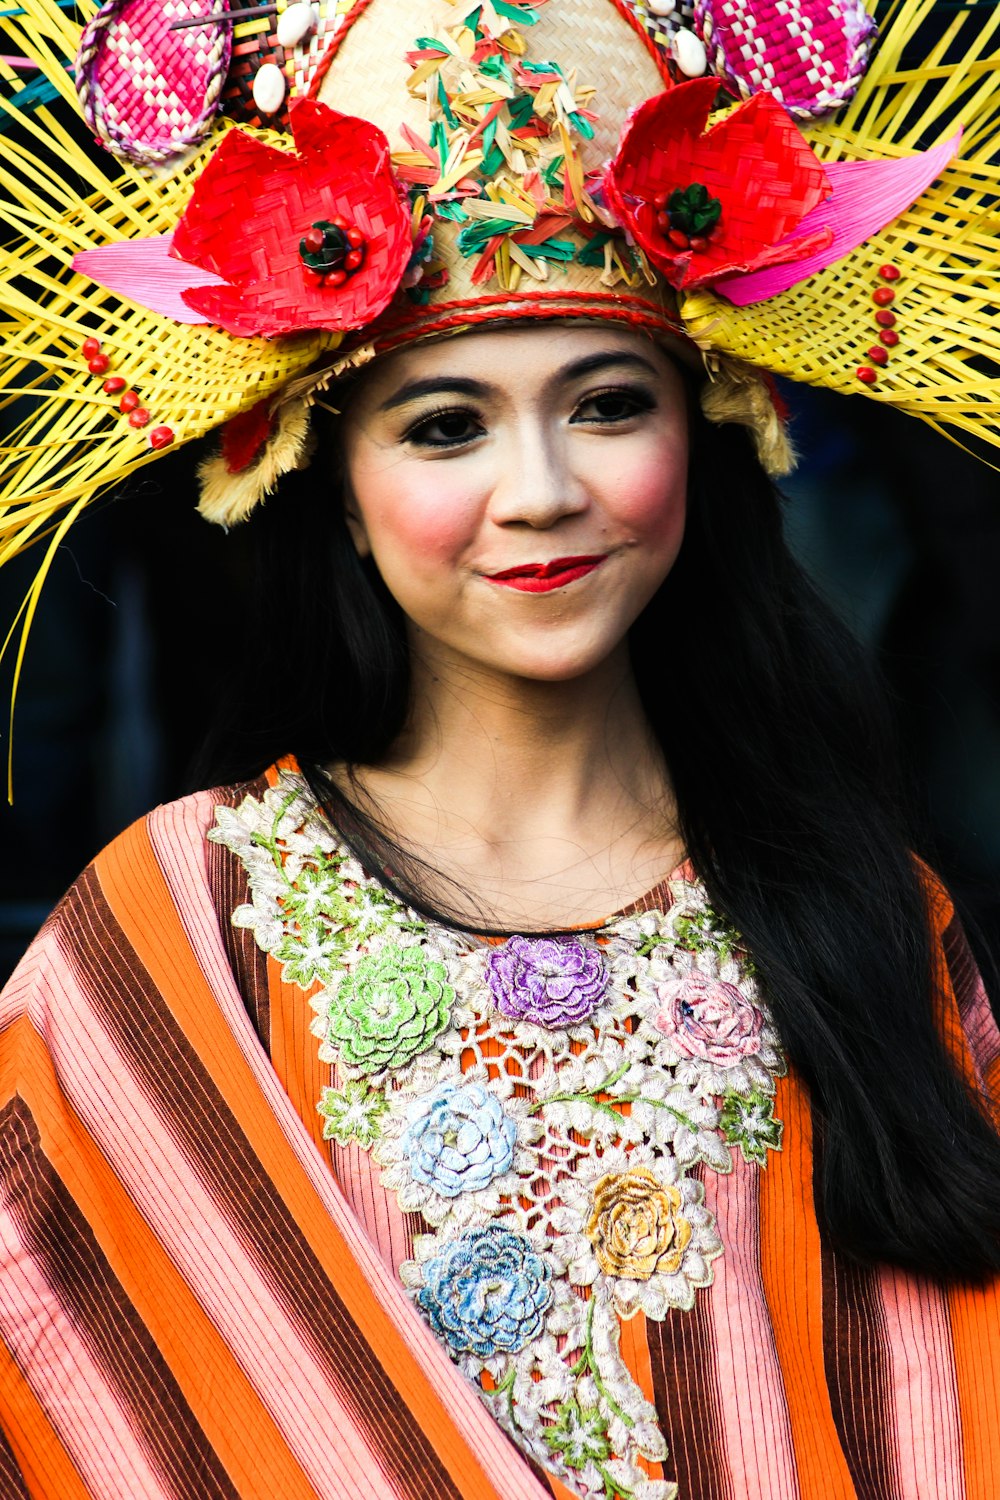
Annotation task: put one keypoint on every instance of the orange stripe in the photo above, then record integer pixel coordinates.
(975, 1322)
(791, 1269)
(47, 1468)
(634, 1347)
(136, 889)
(295, 1051)
(224, 1403)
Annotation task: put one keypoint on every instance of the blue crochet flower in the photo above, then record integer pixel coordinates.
(486, 1293)
(459, 1139)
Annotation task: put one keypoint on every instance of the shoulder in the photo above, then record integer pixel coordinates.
(149, 889)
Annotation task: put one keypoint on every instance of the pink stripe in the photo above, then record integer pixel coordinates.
(928, 1436)
(178, 836)
(66, 1381)
(754, 1414)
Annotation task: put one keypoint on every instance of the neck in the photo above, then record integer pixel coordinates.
(543, 800)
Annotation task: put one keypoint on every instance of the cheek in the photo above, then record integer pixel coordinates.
(415, 513)
(648, 494)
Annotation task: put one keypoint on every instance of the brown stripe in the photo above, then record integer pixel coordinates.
(856, 1360)
(61, 1240)
(682, 1352)
(147, 1036)
(12, 1486)
(230, 888)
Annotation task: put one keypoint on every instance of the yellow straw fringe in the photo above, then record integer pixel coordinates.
(946, 367)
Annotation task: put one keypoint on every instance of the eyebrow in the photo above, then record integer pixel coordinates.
(415, 390)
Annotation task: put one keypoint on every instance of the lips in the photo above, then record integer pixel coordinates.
(539, 578)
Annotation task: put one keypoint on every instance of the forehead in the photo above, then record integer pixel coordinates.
(518, 355)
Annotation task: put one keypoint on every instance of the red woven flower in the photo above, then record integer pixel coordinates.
(755, 167)
(252, 206)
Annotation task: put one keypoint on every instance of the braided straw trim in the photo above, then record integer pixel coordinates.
(946, 366)
(108, 118)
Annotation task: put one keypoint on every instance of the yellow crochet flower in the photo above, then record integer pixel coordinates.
(637, 1228)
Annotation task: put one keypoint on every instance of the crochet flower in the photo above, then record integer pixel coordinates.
(458, 1138)
(579, 1435)
(637, 1226)
(703, 205)
(254, 207)
(709, 1019)
(353, 1113)
(548, 981)
(390, 1008)
(750, 1124)
(486, 1293)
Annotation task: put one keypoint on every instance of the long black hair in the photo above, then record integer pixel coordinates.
(781, 755)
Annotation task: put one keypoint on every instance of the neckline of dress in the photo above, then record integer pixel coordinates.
(683, 871)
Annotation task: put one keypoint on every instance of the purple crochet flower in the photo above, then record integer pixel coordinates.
(553, 982)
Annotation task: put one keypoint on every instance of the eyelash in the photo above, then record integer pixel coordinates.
(639, 399)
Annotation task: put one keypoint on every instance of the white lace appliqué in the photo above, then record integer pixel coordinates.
(541, 1102)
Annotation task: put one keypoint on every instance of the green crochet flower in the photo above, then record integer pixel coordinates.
(353, 1113)
(580, 1436)
(392, 1007)
(750, 1124)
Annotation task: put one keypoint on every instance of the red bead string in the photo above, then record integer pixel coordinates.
(885, 320)
(98, 363)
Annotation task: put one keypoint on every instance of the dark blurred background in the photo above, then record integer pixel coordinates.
(146, 603)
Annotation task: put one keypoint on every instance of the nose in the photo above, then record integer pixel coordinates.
(537, 485)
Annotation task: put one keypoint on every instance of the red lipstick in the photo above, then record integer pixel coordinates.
(540, 578)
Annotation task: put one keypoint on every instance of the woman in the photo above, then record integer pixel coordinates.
(557, 1039)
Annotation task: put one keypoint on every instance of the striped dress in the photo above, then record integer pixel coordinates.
(200, 1293)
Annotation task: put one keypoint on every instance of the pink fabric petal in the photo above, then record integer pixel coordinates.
(867, 195)
(144, 272)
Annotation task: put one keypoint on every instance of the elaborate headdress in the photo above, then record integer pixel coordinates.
(779, 186)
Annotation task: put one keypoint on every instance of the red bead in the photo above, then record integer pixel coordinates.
(877, 355)
(699, 242)
(352, 260)
(663, 221)
(98, 364)
(113, 385)
(139, 417)
(885, 319)
(338, 222)
(679, 238)
(129, 401)
(161, 437)
(883, 295)
(660, 201)
(313, 278)
(337, 278)
(867, 374)
(889, 273)
(313, 239)
(90, 347)
(355, 238)
(889, 337)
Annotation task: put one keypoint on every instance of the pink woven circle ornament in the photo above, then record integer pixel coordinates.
(810, 54)
(148, 93)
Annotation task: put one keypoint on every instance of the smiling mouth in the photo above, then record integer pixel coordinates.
(539, 578)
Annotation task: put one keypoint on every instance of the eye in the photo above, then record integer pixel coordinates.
(445, 429)
(605, 408)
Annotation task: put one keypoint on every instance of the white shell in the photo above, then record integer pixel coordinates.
(295, 23)
(661, 7)
(269, 88)
(689, 54)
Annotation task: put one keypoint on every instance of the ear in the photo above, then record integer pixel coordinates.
(355, 525)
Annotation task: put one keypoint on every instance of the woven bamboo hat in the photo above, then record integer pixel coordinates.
(497, 160)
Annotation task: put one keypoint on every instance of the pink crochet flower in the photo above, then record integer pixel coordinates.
(708, 1019)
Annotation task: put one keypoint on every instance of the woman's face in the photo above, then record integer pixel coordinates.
(522, 492)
